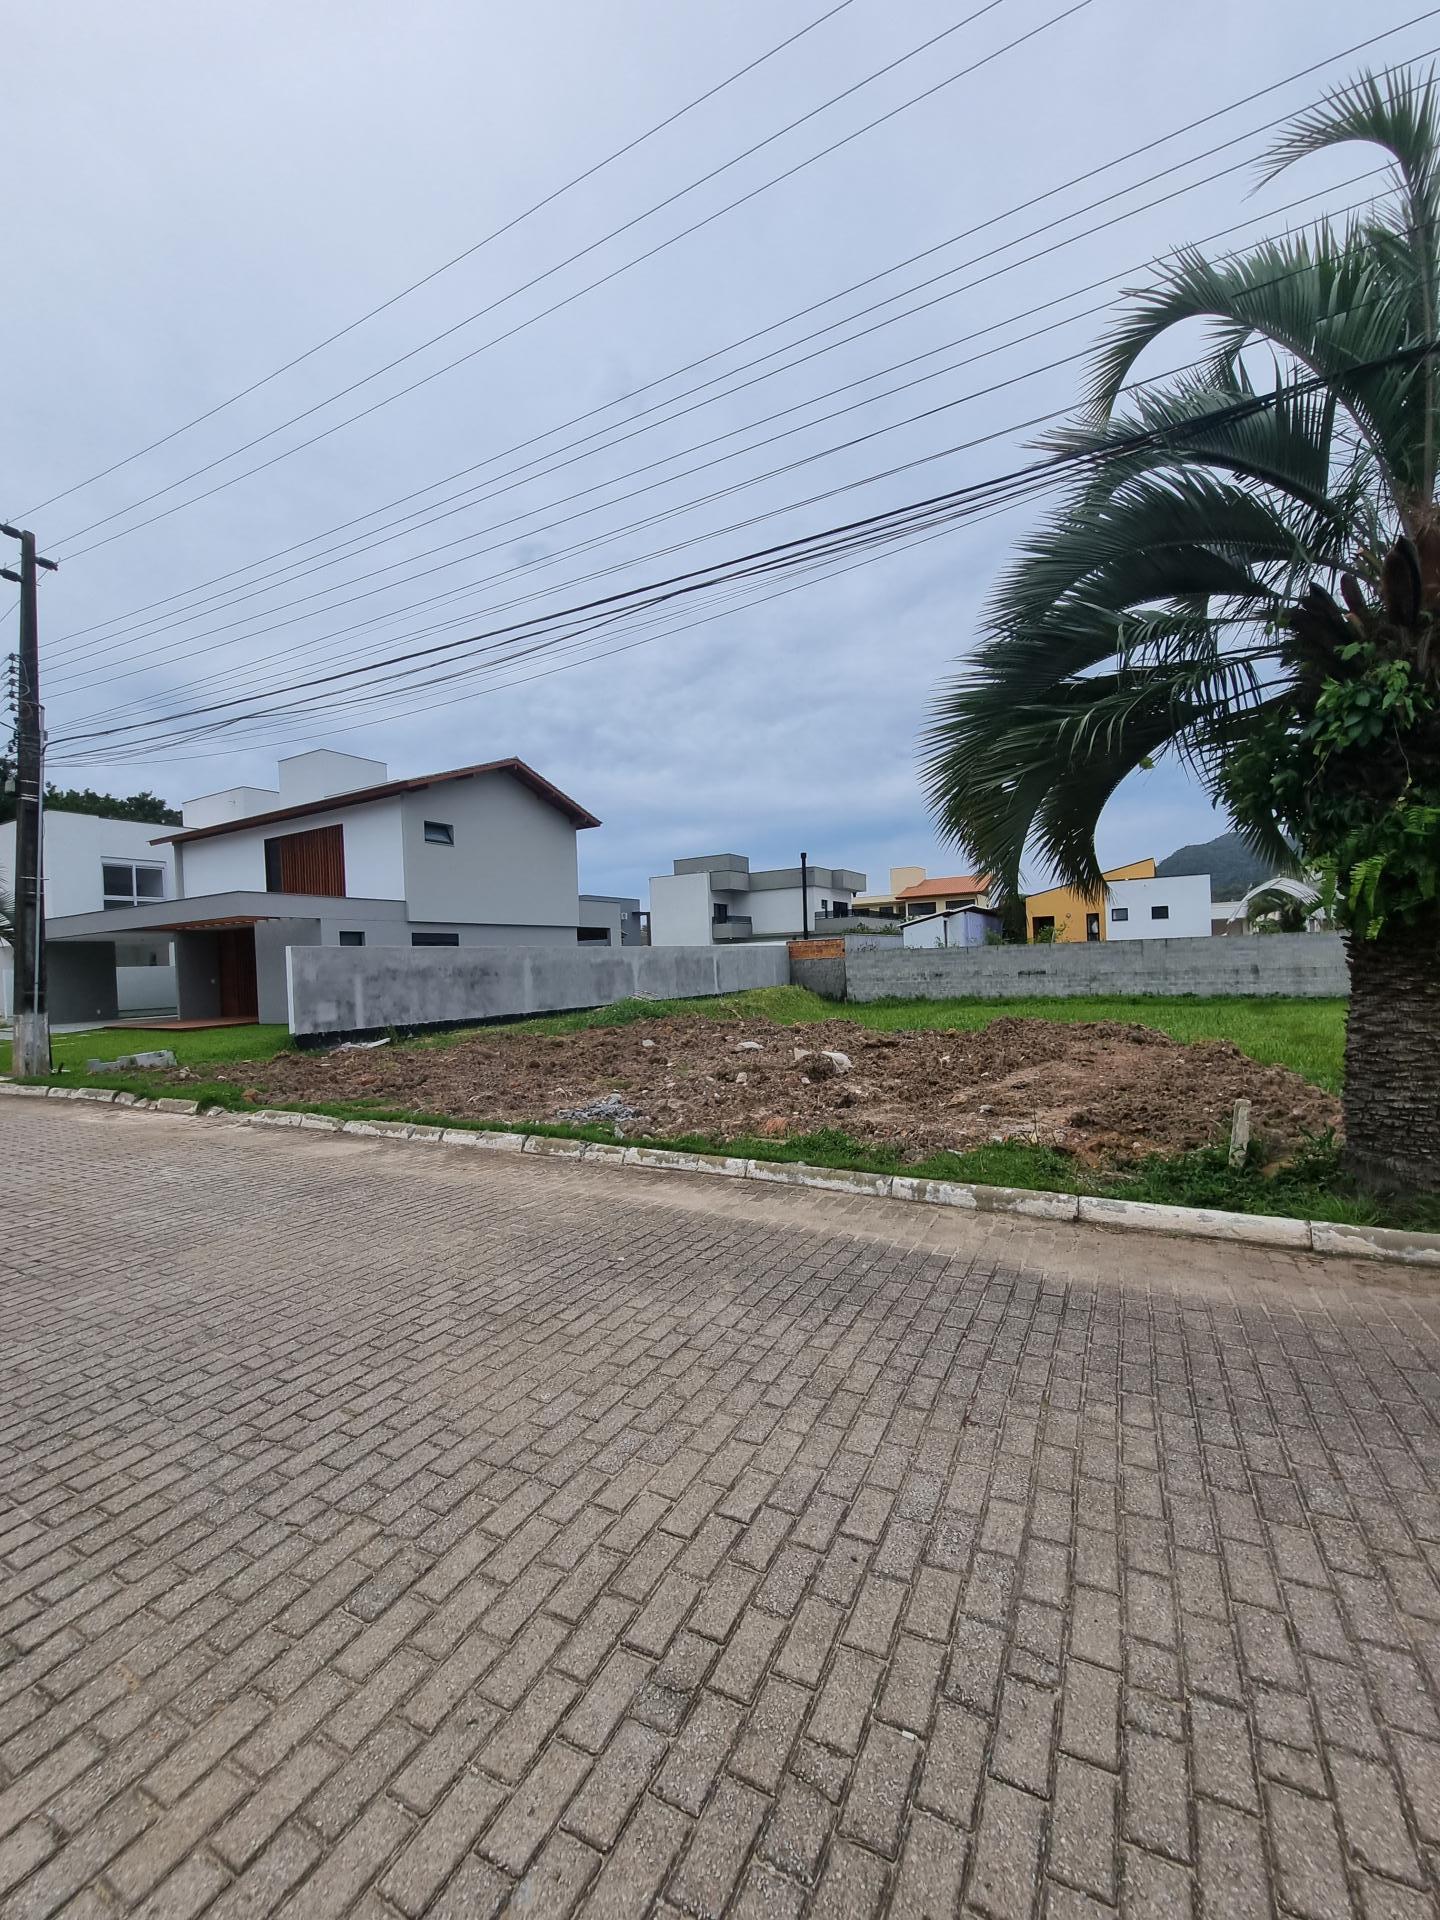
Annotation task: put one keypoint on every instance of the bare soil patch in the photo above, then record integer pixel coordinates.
(1103, 1090)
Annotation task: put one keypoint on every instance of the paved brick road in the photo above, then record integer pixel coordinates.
(399, 1532)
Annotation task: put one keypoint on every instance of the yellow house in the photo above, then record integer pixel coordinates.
(1066, 914)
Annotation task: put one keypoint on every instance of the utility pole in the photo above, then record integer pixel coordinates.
(804, 898)
(30, 1052)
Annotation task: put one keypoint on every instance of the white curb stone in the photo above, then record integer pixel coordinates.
(555, 1147)
(1207, 1223)
(1198, 1223)
(1375, 1243)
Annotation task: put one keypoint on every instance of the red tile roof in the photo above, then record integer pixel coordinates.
(572, 810)
(951, 883)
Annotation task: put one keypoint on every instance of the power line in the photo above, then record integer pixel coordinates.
(1076, 6)
(466, 253)
(788, 552)
(189, 644)
(830, 299)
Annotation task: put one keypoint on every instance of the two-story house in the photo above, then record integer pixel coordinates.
(716, 897)
(338, 855)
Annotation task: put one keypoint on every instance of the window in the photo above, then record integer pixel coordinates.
(351, 939)
(434, 939)
(439, 834)
(824, 906)
(1119, 913)
(1159, 913)
(1092, 926)
(126, 883)
(721, 912)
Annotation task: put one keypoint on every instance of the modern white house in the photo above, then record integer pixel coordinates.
(336, 854)
(715, 898)
(97, 864)
(1170, 907)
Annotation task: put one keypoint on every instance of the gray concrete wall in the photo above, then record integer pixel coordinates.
(825, 977)
(272, 937)
(1311, 965)
(80, 982)
(366, 989)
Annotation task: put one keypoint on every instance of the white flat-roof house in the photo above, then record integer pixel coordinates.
(337, 854)
(715, 897)
(95, 863)
(1169, 907)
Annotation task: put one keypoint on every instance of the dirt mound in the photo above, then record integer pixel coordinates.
(1103, 1090)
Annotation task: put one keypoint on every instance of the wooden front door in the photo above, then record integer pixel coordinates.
(239, 995)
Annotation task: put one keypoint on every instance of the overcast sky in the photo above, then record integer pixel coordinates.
(200, 194)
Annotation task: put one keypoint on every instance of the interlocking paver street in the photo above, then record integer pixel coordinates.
(396, 1531)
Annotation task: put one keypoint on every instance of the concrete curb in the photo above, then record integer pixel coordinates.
(1185, 1223)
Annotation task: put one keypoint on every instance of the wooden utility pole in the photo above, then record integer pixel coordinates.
(30, 1051)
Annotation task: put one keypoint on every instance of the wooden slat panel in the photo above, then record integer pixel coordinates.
(313, 862)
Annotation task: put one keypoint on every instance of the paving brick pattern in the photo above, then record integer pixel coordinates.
(387, 1534)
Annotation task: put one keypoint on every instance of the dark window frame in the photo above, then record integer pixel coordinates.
(434, 939)
(1119, 914)
(438, 833)
(351, 938)
(1160, 911)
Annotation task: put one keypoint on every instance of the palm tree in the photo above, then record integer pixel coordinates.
(1246, 572)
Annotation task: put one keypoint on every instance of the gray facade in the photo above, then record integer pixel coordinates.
(612, 920)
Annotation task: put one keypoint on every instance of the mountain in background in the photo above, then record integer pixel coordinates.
(1232, 866)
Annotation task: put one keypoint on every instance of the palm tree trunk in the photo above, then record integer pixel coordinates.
(1392, 1060)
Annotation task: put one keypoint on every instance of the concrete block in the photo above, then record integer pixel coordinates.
(177, 1106)
(432, 1135)
(103, 1094)
(320, 1123)
(1037, 1206)
(1201, 1223)
(606, 1150)
(665, 1157)
(273, 1117)
(379, 1129)
(24, 1093)
(555, 1147)
(935, 1193)
(793, 1173)
(1376, 1243)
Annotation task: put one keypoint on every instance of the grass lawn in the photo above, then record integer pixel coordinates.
(1307, 1035)
(208, 1046)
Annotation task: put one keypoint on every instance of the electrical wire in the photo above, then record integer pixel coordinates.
(193, 650)
(843, 292)
(1076, 6)
(466, 253)
(789, 552)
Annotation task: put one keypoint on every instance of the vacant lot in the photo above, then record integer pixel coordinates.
(1102, 1090)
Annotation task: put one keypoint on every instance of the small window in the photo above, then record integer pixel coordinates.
(824, 906)
(352, 939)
(1159, 913)
(434, 939)
(439, 833)
(721, 913)
(1119, 913)
(126, 883)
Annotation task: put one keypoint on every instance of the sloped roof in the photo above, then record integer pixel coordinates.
(951, 883)
(359, 796)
